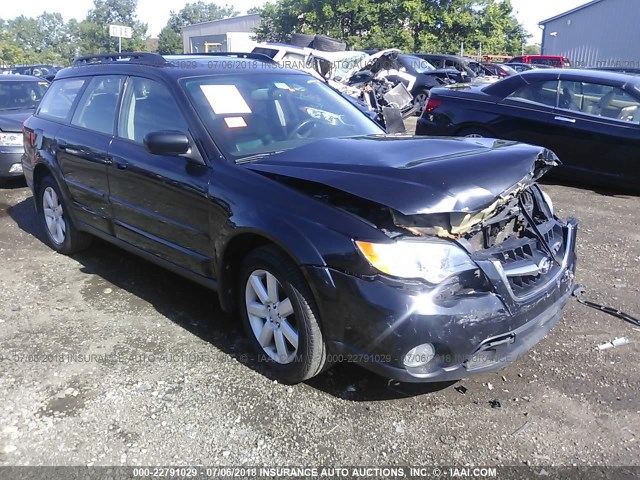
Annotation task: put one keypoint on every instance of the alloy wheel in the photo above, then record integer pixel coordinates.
(54, 216)
(420, 100)
(271, 316)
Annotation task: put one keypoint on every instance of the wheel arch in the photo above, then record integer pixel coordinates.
(235, 250)
(475, 126)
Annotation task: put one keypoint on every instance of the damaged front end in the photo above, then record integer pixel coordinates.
(474, 278)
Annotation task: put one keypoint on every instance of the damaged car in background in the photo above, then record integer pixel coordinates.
(376, 84)
(422, 259)
(390, 68)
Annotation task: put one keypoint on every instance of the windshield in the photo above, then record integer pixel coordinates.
(416, 64)
(16, 95)
(254, 115)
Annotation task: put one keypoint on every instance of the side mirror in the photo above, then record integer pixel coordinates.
(167, 142)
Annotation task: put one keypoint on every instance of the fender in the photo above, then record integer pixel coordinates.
(293, 237)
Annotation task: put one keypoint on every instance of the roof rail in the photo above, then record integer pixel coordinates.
(141, 58)
(249, 56)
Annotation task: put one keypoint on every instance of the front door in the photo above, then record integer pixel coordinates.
(600, 124)
(160, 202)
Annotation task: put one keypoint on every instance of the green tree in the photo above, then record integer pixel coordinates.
(170, 38)
(438, 26)
(94, 30)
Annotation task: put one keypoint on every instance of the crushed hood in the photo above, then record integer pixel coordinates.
(414, 175)
(12, 120)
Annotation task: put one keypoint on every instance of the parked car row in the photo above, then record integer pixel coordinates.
(47, 72)
(422, 259)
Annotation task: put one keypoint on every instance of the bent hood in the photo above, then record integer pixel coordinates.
(414, 175)
(12, 120)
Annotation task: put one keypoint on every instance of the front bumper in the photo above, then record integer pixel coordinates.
(10, 161)
(374, 322)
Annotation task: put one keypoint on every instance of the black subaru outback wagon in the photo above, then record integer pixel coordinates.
(423, 259)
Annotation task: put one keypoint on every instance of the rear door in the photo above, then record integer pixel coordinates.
(83, 149)
(160, 202)
(528, 114)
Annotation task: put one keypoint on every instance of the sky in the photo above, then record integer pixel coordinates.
(156, 12)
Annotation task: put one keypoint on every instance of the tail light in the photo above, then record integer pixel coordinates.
(30, 135)
(432, 104)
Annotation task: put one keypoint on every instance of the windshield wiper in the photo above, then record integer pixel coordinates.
(255, 157)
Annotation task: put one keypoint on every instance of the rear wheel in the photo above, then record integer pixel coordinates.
(61, 233)
(475, 132)
(279, 316)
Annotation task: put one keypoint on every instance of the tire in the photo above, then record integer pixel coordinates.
(290, 362)
(60, 232)
(302, 40)
(420, 100)
(475, 132)
(328, 44)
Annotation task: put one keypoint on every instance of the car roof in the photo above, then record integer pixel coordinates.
(592, 75)
(174, 66)
(19, 78)
(510, 84)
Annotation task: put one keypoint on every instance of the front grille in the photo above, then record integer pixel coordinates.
(519, 254)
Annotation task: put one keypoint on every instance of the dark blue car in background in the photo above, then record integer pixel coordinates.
(590, 119)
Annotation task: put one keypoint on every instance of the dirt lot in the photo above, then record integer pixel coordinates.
(158, 374)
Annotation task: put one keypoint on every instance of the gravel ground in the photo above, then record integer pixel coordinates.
(159, 376)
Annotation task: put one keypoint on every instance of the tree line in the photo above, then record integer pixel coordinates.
(434, 26)
(438, 26)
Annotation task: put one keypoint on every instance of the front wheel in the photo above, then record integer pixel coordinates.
(279, 316)
(61, 233)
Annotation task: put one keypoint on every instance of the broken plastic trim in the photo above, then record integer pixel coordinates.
(579, 291)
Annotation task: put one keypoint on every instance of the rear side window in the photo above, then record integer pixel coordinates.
(148, 106)
(97, 108)
(543, 93)
(58, 100)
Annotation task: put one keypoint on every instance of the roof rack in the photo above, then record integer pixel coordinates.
(141, 58)
(249, 56)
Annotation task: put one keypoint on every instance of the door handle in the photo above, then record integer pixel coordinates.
(566, 120)
(121, 165)
(64, 147)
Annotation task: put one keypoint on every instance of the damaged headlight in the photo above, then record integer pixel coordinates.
(431, 260)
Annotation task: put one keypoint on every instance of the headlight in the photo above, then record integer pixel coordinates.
(432, 260)
(10, 139)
